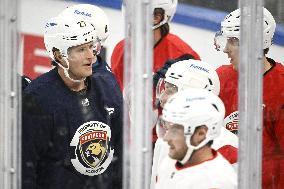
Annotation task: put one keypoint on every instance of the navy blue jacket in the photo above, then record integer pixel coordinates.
(72, 140)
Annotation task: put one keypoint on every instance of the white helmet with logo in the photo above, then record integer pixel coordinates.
(230, 26)
(169, 6)
(192, 108)
(193, 74)
(93, 14)
(65, 32)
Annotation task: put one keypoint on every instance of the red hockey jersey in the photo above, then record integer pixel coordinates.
(170, 47)
(273, 118)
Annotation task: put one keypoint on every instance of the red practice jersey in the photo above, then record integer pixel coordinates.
(170, 47)
(273, 118)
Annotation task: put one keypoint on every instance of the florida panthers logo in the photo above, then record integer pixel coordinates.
(93, 152)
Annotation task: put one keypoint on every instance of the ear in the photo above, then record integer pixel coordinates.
(200, 133)
(157, 18)
(57, 56)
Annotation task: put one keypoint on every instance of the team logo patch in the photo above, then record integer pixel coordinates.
(92, 148)
(231, 122)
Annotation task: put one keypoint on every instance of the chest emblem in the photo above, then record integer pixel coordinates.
(92, 148)
(231, 122)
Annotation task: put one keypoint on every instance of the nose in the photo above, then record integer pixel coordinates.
(226, 49)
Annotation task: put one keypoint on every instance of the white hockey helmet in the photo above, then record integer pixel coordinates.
(65, 32)
(169, 6)
(230, 26)
(93, 14)
(192, 108)
(193, 74)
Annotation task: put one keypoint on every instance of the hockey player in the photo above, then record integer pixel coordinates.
(193, 119)
(273, 95)
(97, 17)
(181, 76)
(166, 45)
(72, 118)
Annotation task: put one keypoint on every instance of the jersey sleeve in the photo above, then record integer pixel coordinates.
(117, 125)
(35, 139)
(279, 125)
(117, 63)
(279, 132)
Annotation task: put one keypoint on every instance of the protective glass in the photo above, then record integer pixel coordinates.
(164, 90)
(220, 41)
(164, 87)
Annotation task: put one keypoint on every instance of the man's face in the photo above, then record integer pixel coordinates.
(169, 90)
(81, 59)
(176, 140)
(232, 50)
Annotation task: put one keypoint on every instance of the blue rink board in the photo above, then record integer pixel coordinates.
(192, 16)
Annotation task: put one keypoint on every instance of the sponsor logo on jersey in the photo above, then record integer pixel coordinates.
(85, 102)
(92, 148)
(108, 68)
(109, 110)
(231, 122)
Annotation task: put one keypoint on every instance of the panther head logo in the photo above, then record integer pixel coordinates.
(96, 151)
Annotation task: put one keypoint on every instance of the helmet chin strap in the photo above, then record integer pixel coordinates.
(160, 24)
(187, 155)
(191, 148)
(66, 73)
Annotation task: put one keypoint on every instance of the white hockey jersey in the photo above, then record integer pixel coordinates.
(226, 139)
(211, 174)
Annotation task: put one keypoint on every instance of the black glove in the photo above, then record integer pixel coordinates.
(162, 72)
